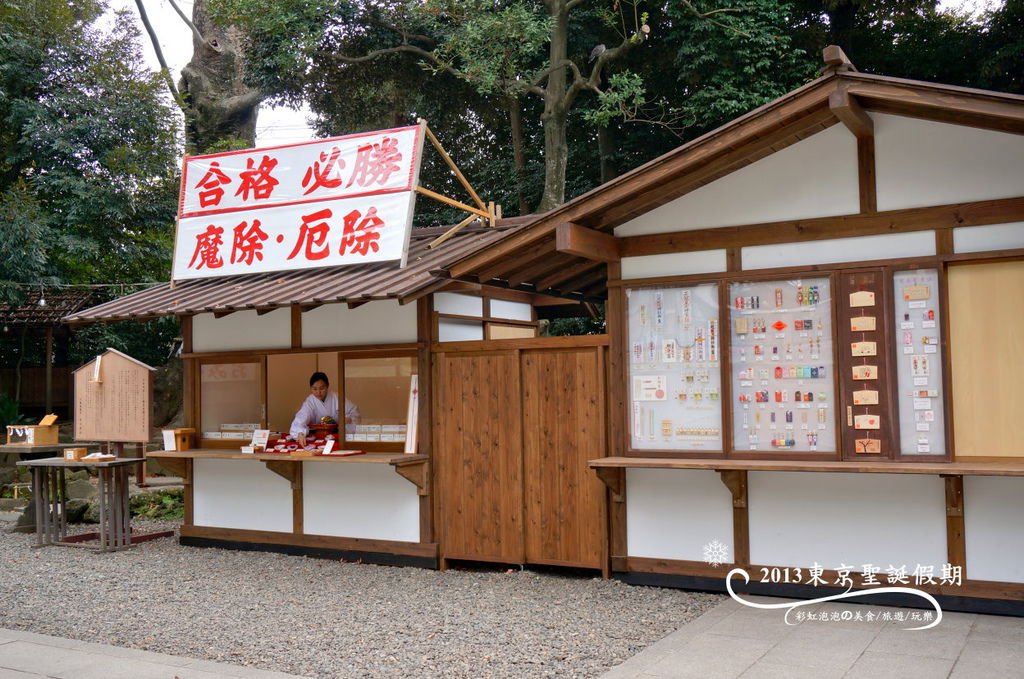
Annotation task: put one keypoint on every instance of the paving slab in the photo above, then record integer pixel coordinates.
(733, 641)
(25, 655)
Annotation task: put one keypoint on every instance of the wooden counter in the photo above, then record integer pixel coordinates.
(982, 467)
(344, 511)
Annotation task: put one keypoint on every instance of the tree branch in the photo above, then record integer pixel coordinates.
(165, 72)
(192, 27)
(410, 49)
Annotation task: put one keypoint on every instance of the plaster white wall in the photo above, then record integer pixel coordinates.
(816, 177)
(357, 500)
(861, 248)
(461, 305)
(242, 330)
(378, 322)
(516, 311)
(921, 163)
(797, 519)
(993, 529)
(453, 330)
(674, 264)
(672, 514)
(988, 238)
(240, 494)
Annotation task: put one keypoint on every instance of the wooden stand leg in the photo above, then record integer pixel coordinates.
(37, 501)
(102, 496)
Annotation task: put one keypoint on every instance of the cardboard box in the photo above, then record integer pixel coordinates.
(42, 434)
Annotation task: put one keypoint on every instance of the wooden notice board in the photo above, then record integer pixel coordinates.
(113, 399)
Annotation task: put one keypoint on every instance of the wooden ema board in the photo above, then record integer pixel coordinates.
(985, 330)
(866, 419)
(118, 407)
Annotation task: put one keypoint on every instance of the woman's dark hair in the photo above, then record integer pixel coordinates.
(317, 377)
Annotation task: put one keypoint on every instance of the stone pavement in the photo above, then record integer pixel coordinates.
(24, 655)
(732, 641)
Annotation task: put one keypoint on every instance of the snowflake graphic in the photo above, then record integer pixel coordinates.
(716, 553)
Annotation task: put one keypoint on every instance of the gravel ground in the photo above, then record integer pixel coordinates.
(327, 618)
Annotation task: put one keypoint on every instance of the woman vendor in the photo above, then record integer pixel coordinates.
(320, 403)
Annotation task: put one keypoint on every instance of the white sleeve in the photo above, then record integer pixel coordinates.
(351, 412)
(302, 418)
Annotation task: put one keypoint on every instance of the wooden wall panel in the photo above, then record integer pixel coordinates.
(478, 457)
(563, 428)
(986, 339)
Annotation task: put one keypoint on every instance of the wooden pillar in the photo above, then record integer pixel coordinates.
(424, 438)
(616, 379)
(956, 546)
(736, 482)
(49, 368)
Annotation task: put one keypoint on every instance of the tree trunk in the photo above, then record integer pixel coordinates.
(515, 117)
(555, 116)
(841, 19)
(221, 107)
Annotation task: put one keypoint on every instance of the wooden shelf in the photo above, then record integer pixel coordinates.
(396, 459)
(1004, 467)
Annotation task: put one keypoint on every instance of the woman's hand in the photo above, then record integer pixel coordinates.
(302, 439)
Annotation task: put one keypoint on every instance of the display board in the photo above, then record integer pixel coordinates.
(113, 399)
(675, 368)
(919, 362)
(867, 420)
(782, 369)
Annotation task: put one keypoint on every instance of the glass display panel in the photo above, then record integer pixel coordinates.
(919, 362)
(230, 401)
(674, 368)
(782, 379)
(378, 388)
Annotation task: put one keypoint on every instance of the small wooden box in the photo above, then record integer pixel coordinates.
(75, 454)
(178, 439)
(43, 434)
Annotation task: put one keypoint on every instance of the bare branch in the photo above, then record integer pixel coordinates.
(398, 49)
(165, 71)
(707, 15)
(593, 82)
(569, 6)
(192, 27)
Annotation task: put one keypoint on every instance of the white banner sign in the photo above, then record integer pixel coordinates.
(347, 200)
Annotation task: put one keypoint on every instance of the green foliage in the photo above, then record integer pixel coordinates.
(87, 149)
(9, 413)
(163, 505)
(734, 61)
(492, 48)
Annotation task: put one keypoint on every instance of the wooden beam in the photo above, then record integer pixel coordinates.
(452, 166)
(579, 241)
(999, 211)
(615, 479)
(866, 183)
(501, 267)
(565, 274)
(851, 114)
(452, 231)
(956, 105)
(451, 201)
(418, 474)
(538, 269)
(835, 59)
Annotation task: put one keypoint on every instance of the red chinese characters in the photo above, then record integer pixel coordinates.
(327, 175)
(258, 180)
(248, 243)
(212, 185)
(207, 252)
(375, 163)
(312, 241)
(361, 232)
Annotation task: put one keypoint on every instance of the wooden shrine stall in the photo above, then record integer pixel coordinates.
(250, 345)
(815, 356)
(43, 385)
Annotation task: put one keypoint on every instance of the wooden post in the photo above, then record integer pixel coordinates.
(49, 368)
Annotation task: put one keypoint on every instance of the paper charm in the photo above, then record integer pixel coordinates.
(866, 422)
(865, 372)
(864, 349)
(866, 397)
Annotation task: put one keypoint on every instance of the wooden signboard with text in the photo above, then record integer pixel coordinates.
(113, 399)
